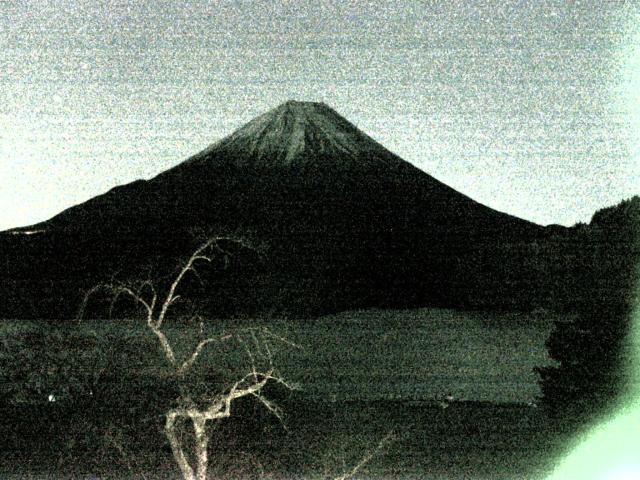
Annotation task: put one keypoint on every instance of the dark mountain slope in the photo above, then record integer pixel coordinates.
(342, 221)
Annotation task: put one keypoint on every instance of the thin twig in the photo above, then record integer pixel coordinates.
(367, 458)
(123, 454)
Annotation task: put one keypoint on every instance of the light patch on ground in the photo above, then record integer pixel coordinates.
(610, 451)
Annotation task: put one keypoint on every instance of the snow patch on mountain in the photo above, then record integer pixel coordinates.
(300, 134)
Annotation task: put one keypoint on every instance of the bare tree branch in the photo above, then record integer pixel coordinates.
(116, 290)
(167, 350)
(273, 407)
(257, 343)
(367, 457)
(267, 332)
(117, 445)
(188, 363)
(171, 296)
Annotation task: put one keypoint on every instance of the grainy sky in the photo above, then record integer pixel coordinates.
(531, 107)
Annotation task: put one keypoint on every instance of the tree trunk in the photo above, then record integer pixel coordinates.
(202, 440)
(201, 444)
(176, 447)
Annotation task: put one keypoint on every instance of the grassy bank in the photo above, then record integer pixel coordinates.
(321, 440)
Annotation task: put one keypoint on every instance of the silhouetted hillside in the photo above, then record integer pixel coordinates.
(593, 351)
(341, 223)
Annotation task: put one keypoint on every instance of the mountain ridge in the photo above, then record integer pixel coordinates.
(345, 224)
(304, 139)
(294, 131)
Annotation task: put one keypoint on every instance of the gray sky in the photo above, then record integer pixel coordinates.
(532, 108)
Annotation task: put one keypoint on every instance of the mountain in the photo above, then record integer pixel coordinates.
(298, 135)
(341, 222)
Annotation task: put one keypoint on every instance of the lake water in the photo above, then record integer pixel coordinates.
(420, 354)
(410, 355)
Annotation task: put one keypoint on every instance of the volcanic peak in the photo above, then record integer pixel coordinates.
(299, 134)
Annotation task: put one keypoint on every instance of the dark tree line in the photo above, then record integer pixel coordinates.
(592, 351)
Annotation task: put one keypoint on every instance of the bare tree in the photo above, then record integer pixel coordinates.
(258, 343)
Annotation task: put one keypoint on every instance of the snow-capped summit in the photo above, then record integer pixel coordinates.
(298, 134)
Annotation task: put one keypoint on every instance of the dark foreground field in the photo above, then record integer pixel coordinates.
(364, 376)
(322, 440)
